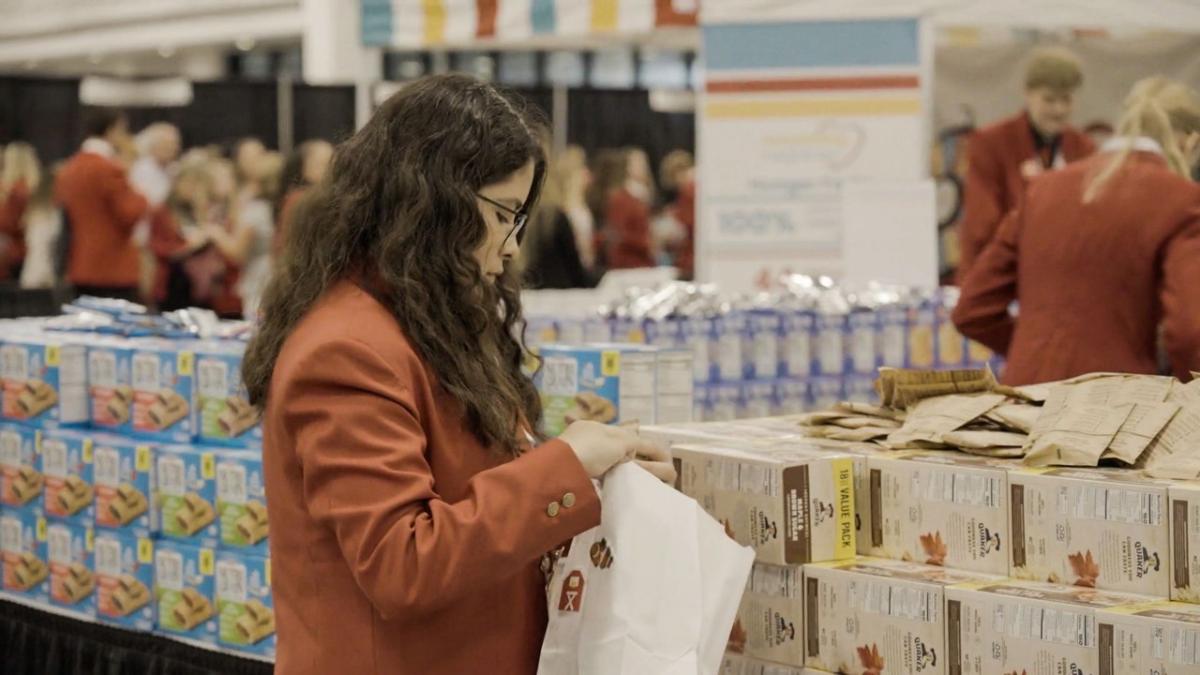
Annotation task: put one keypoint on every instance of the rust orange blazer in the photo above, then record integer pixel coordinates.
(102, 209)
(1093, 281)
(399, 544)
(995, 181)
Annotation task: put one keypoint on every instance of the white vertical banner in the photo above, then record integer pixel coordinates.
(797, 120)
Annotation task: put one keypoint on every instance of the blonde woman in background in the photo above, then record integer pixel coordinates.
(248, 244)
(1101, 254)
(43, 227)
(20, 177)
(560, 228)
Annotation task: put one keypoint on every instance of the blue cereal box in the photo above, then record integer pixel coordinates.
(242, 501)
(863, 341)
(758, 399)
(225, 414)
(765, 359)
(110, 385)
(65, 462)
(797, 329)
(732, 334)
(44, 380)
(893, 329)
(164, 391)
(185, 590)
(597, 329)
(700, 334)
(922, 345)
(21, 480)
(832, 332)
(861, 389)
(603, 383)
(791, 396)
(187, 494)
(951, 345)
(827, 392)
(72, 567)
(23, 551)
(124, 579)
(244, 606)
(728, 402)
(703, 403)
(124, 472)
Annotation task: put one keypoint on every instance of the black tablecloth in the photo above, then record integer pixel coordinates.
(38, 643)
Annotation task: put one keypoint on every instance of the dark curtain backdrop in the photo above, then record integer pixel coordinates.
(46, 112)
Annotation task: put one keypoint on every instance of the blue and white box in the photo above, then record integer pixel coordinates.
(23, 551)
(245, 610)
(185, 591)
(124, 579)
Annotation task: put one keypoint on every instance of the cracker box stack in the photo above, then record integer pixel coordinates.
(871, 616)
(614, 383)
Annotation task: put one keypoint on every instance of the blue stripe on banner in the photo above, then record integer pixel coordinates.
(542, 16)
(376, 23)
(811, 44)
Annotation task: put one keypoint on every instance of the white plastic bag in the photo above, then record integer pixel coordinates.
(652, 591)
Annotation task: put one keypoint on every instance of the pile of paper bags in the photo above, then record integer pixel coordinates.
(1144, 421)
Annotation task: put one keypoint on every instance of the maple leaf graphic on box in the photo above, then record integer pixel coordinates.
(1085, 567)
(935, 548)
(872, 662)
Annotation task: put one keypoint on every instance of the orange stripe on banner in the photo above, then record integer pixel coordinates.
(815, 84)
(486, 12)
(604, 15)
(665, 14)
(813, 108)
(435, 22)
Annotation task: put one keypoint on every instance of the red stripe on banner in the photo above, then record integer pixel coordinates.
(816, 84)
(665, 14)
(485, 11)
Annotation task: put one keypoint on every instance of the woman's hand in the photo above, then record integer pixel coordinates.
(600, 447)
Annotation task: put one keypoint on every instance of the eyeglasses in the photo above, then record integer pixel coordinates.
(519, 216)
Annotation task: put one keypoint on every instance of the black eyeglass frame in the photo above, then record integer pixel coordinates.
(520, 219)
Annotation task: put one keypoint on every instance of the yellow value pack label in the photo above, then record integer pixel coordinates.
(184, 363)
(144, 460)
(610, 364)
(208, 466)
(206, 562)
(53, 355)
(145, 551)
(87, 451)
(843, 480)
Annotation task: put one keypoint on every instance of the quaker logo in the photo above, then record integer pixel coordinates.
(822, 511)
(1075, 670)
(926, 657)
(767, 529)
(988, 541)
(785, 631)
(1147, 560)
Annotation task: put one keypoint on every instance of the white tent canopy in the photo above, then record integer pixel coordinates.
(1172, 15)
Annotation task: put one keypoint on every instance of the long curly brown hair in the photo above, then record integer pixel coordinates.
(398, 209)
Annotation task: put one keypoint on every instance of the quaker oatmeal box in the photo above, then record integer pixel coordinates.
(1150, 639)
(871, 616)
(1103, 529)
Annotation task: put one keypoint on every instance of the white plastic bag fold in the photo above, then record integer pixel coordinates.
(652, 591)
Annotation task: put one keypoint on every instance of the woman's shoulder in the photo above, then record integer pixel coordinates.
(348, 320)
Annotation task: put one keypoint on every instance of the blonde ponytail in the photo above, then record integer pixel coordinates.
(1159, 109)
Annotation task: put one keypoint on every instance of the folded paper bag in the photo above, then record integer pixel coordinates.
(652, 591)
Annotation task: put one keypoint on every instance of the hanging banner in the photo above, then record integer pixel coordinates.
(797, 122)
(420, 24)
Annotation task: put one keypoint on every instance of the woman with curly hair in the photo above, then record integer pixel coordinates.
(411, 505)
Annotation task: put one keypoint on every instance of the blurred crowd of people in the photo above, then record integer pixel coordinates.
(139, 218)
(610, 213)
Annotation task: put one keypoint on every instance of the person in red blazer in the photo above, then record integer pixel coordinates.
(413, 512)
(1001, 158)
(624, 217)
(102, 209)
(1100, 255)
